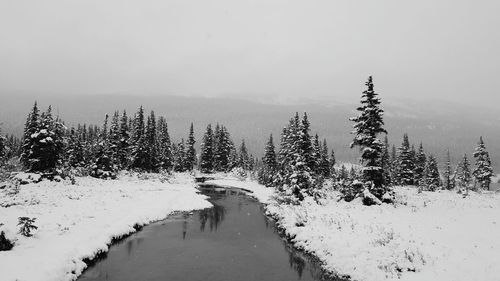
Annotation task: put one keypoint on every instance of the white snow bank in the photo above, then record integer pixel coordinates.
(438, 235)
(78, 221)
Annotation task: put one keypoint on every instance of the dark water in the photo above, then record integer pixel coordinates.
(231, 241)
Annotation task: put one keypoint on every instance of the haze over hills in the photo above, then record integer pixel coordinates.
(437, 124)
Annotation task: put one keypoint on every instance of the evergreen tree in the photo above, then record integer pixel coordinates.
(270, 154)
(151, 161)
(306, 146)
(29, 157)
(483, 171)
(140, 150)
(123, 149)
(343, 174)
(244, 159)
(405, 163)
(75, 154)
(3, 149)
(104, 166)
(368, 124)
(385, 162)
(190, 160)
(420, 162)
(395, 180)
(223, 145)
(324, 161)
(333, 161)
(207, 153)
(315, 157)
(464, 175)
(449, 180)
(165, 156)
(432, 178)
(179, 152)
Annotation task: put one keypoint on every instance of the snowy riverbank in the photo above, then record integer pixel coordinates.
(427, 236)
(76, 222)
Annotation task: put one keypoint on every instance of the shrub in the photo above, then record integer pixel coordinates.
(26, 226)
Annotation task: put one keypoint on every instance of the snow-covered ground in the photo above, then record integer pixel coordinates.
(427, 236)
(78, 221)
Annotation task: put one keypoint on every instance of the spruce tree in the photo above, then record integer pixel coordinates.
(75, 153)
(483, 171)
(449, 180)
(244, 159)
(207, 153)
(395, 180)
(3, 149)
(140, 150)
(464, 175)
(29, 157)
(179, 152)
(165, 156)
(315, 156)
(420, 162)
(123, 149)
(324, 161)
(368, 124)
(151, 161)
(385, 162)
(405, 162)
(190, 160)
(104, 165)
(270, 154)
(333, 161)
(306, 145)
(432, 178)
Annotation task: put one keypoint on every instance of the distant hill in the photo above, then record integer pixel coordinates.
(437, 124)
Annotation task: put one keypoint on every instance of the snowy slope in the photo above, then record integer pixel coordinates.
(427, 236)
(78, 221)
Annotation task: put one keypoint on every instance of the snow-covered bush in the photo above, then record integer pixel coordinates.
(26, 225)
(5, 244)
(239, 173)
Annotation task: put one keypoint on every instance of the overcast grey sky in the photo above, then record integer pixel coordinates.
(294, 48)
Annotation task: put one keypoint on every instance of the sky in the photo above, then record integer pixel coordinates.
(262, 49)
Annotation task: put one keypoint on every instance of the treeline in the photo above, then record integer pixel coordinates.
(303, 163)
(140, 143)
(298, 168)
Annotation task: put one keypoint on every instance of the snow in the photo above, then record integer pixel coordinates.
(424, 236)
(79, 221)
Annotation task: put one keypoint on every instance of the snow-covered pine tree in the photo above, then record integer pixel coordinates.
(405, 162)
(123, 150)
(448, 176)
(269, 159)
(419, 170)
(151, 145)
(306, 144)
(464, 175)
(343, 174)
(75, 152)
(165, 156)
(29, 157)
(190, 160)
(268, 168)
(395, 180)
(385, 162)
(140, 150)
(368, 124)
(483, 171)
(2, 147)
(179, 152)
(315, 156)
(324, 161)
(114, 137)
(432, 178)
(104, 166)
(244, 158)
(207, 152)
(333, 161)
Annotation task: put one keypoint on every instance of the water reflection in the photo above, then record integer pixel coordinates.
(214, 216)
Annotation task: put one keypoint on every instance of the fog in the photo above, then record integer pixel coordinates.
(270, 50)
